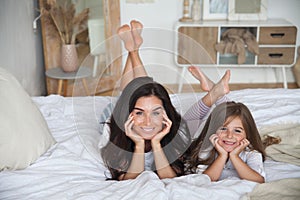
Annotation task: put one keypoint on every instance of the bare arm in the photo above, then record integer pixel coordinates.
(164, 170)
(244, 171)
(137, 163)
(214, 171)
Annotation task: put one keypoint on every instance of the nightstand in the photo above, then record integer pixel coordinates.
(63, 77)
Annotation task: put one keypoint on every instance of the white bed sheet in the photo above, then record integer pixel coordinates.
(72, 168)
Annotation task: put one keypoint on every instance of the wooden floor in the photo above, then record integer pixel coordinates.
(173, 88)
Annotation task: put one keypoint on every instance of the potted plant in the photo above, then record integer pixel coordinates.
(66, 24)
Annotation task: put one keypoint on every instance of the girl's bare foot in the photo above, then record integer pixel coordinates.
(136, 29)
(124, 33)
(205, 82)
(222, 87)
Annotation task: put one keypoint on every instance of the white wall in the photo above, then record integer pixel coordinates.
(21, 50)
(163, 14)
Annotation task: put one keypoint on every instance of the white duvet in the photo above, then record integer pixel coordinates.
(72, 168)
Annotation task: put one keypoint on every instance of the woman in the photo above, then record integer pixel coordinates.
(146, 133)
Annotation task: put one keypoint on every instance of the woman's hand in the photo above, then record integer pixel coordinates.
(167, 123)
(129, 131)
(243, 144)
(214, 138)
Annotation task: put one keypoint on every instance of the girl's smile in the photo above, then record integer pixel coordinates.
(231, 134)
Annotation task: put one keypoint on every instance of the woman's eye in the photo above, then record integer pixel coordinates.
(139, 113)
(156, 113)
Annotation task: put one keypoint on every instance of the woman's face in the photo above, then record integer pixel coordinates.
(231, 134)
(148, 116)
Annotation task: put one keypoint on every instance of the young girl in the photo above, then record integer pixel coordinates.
(145, 131)
(228, 146)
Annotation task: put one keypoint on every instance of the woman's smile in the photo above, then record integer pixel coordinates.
(148, 117)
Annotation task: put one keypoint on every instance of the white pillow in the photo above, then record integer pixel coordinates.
(24, 134)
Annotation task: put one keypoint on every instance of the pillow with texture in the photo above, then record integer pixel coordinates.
(24, 133)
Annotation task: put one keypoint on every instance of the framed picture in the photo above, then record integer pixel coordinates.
(247, 10)
(215, 9)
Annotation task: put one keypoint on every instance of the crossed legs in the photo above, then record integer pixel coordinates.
(132, 39)
(214, 90)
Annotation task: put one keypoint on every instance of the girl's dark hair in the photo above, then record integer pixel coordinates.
(117, 154)
(222, 112)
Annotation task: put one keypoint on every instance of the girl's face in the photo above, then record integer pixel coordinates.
(231, 134)
(148, 117)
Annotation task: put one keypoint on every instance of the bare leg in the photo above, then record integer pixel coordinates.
(218, 90)
(205, 83)
(131, 37)
(136, 30)
(138, 67)
(124, 33)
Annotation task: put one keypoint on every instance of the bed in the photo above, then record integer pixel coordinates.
(72, 168)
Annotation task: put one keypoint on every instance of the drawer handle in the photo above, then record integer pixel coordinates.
(277, 35)
(275, 55)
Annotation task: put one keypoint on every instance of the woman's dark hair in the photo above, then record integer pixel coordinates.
(222, 113)
(117, 154)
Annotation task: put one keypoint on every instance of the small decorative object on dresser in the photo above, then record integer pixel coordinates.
(196, 10)
(186, 12)
(215, 9)
(247, 10)
(66, 25)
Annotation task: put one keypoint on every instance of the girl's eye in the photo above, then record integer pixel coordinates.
(238, 131)
(223, 129)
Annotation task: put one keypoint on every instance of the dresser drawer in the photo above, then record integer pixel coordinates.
(276, 55)
(278, 35)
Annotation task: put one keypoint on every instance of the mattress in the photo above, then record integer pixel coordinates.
(73, 168)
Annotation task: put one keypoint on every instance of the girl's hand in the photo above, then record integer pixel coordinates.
(243, 144)
(167, 123)
(129, 131)
(214, 138)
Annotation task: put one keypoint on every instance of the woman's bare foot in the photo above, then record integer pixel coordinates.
(125, 34)
(136, 29)
(205, 82)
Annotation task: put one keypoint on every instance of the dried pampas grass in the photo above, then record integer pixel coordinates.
(62, 21)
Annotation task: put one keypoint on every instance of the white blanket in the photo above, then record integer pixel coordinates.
(72, 168)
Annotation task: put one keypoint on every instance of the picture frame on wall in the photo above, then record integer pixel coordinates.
(215, 9)
(247, 10)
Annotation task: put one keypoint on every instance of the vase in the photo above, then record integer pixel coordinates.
(69, 58)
